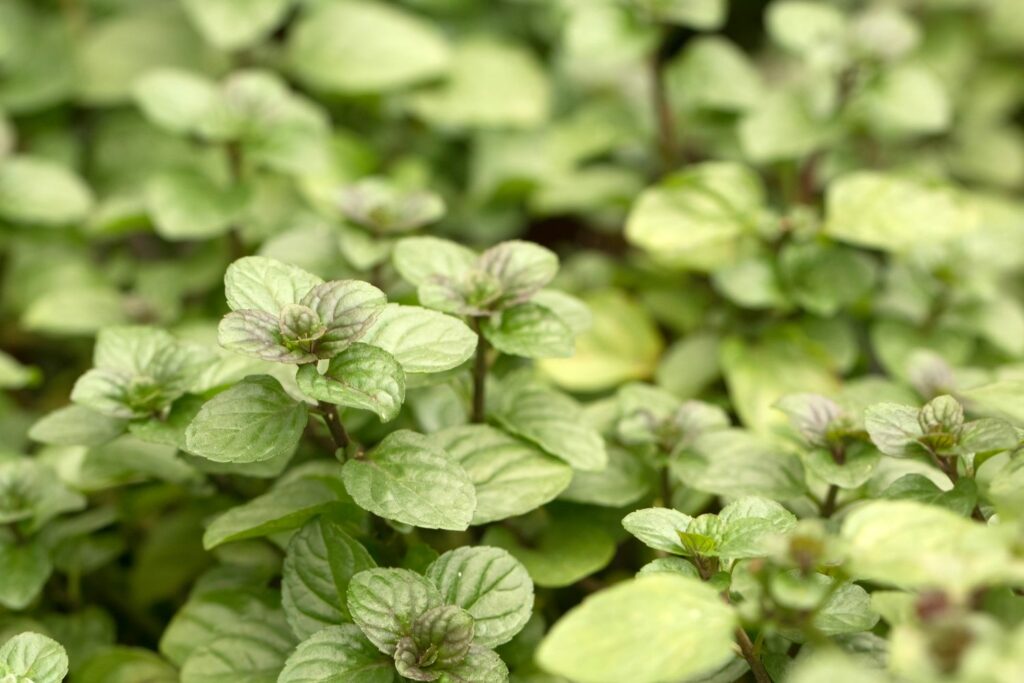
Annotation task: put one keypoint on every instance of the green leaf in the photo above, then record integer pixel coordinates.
(782, 127)
(339, 654)
(33, 658)
(408, 479)
(669, 565)
(25, 567)
(443, 634)
(491, 84)
(810, 29)
(321, 560)
(712, 72)
(553, 421)
(247, 656)
(235, 24)
(41, 192)
(384, 603)
(126, 665)
(422, 340)
(521, 269)
(734, 462)
(961, 498)
(188, 205)
(421, 260)
(695, 219)
(703, 15)
(655, 628)
(361, 46)
(348, 308)
(382, 207)
(1003, 398)
(511, 476)
(748, 527)
(363, 376)
(480, 666)
(176, 100)
(906, 100)
(529, 330)
(912, 545)
(258, 334)
(491, 585)
(894, 428)
(253, 421)
(214, 621)
(76, 425)
(566, 550)
(888, 212)
(14, 375)
(287, 506)
(623, 344)
(624, 480)
(263, 284)
(825, 279)
(659, 528)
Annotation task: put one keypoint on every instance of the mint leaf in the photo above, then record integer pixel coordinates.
(347, 308)
(230, 25)
(659, 528)
(511, 476)
(26, 567)
(553, 421)
(385, 603)
(422, 340)
(407, 479)
(362, 376)
(41, 192)
(529, 330)
(287, 506)
(33, 658)
(491, 585)
(380, 206)
(321, 560)
(893, 428)
(395, 48)
(339, 654)
(253, 421)
(682, 629)
(263, 284)
(76, 425)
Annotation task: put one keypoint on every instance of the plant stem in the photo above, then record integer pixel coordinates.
(668, 141)
(666, 487)
(829, 506)
(742, 639)
(747, 648)
(479, 413)
(233, 150)
(329, 412)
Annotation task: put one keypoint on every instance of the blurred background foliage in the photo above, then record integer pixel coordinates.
(753, 198)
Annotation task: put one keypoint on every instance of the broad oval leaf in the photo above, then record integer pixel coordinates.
(364, 46)
(422, 340)
(511, 476)
(384, 603)
(529, 330)
(362, 376)
(321, 560)
(490, 584)
(34, 658)
(264, 284)
(339, 654)
(253, 421)
(409, 480)
(38, 191)
(659, 627)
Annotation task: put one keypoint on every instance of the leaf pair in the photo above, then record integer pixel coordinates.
(502, 285)
(440, 626)
(283, 314)
(938, 427)
(743, 529)
(138, 372)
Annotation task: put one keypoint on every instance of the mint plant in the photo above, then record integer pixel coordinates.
(646, 341)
